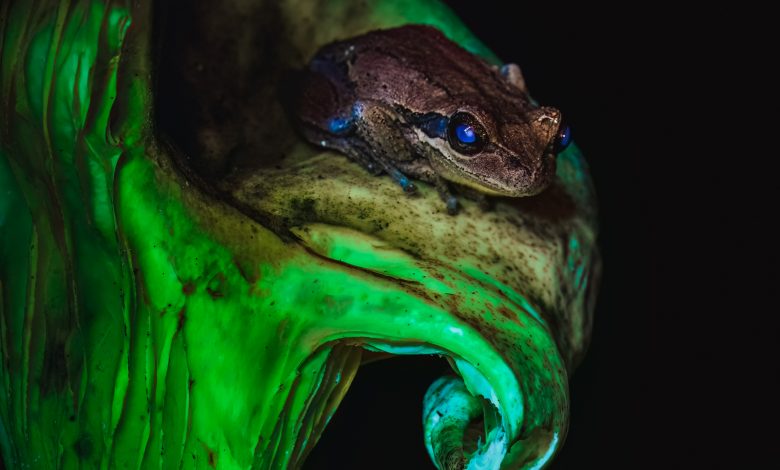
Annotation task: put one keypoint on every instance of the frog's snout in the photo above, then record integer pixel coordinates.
(545, 121)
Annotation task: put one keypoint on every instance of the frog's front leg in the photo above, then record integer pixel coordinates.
(378, 138)
(445, 193)
(421, 169)
(482, 200)
(329, 119)
(358, 151)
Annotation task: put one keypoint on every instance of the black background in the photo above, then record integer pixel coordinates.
(684, 346)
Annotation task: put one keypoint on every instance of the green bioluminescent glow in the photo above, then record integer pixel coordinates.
(148, 322)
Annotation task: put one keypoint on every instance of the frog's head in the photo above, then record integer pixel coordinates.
(502, 154)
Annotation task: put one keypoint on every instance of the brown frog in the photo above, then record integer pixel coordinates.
(408, 101)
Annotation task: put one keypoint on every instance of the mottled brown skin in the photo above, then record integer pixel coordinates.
(388, 100)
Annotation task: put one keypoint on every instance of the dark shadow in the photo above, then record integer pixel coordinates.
(379, 423)
(218, 69)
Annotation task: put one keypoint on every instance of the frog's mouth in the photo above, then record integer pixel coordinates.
(495, 171)
(527, 182)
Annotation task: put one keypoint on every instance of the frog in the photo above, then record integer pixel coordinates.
(410, 103)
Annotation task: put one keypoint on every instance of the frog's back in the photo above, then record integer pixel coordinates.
(415, 65)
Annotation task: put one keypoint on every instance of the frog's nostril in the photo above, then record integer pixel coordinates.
(547, 117)
(548, 120)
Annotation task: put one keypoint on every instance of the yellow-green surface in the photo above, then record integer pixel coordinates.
(146, 323)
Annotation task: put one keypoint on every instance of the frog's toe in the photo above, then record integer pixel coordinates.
(452, 205)
(402, 180)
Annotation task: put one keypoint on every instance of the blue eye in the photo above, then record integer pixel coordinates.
(465, 133)
(563, 139)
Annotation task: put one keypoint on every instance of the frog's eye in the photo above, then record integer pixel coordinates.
(563, 139)
(465, 134)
